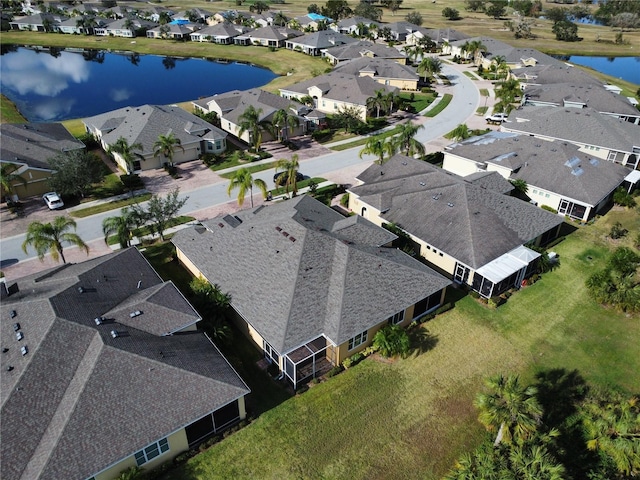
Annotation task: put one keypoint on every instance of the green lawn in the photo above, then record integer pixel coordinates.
(252, 169)
(362, 141)
(8, 112)
(420, 100)
(105, 207)
(446, 98)
(412, 418)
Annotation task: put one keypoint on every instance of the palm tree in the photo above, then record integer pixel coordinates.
(126, 151)
(280, 19)
(499, 65)
(509, 407)
(377, 102)
(123, 226)
(9, 177)
(534, 462)
(507, 93)
(290, 167)
(166, 145)
(429, 67)
(249, 121)
(243, 181)
(379, 147)
(412, 52)
(461, 132)
(475, 47)
(394, 99)
(282, 121)
(405, 142)
(612, 426)
(49, 237)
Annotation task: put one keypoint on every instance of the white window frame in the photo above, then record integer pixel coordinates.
(397, 318)
(151, 451)
(358, 340)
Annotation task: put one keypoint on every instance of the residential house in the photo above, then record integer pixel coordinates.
(400, 30)
(221, 33)
(174, 31)
(558, 174)
(336, 90)
(354, 25)
(386, 72)
(267, 37)
(363, 48)
(39, 22)
(81, 25)
(197, 15)
(231, 105)
(102, 362)
(30, 146)
(599, 135)
(465, 227)
(310, 22)
(309, 286)
(440, 36)
(127, 27)
(313, 43)
(153, 13)
(143, 125)
(233, 16)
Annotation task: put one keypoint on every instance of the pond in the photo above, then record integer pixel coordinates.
(626, 68)
(52, 84)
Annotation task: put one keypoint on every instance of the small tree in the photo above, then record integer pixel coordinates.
(623, 198)
(414, 17)
(565, 31)
(243, 181)
(348, 117)
(392, 340)
(214, 306)
(451, 13)
(617, 231)
(496, 9)
(160, 210)
(122, 226)
(75, 172)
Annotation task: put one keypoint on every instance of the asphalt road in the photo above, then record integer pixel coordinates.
(465, 100)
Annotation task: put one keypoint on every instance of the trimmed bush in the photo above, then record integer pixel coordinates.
(548, 209)
(132, 181)
(334, 371)
(444, 308)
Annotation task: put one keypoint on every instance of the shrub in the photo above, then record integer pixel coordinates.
(334, 371)
(474, 294)
(426, 90)
(353, 360)
(617, 231)
(495, 302)
(320, 135)
(623, 198)
(392, 340)
(444, 308)
(344, 200)
(131, 181)
(548, 209)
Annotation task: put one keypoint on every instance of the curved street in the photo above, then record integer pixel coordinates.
(466, 99)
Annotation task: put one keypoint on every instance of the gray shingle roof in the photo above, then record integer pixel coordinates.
(581, 125)
(144, 124)
(472, 224)
(341, 87)
(81, 400)
(511, 54)
(35, 143)
(544, 164)
(234, 103)
(297, 269)
(381, 68)
(322, 39)
(364, 48)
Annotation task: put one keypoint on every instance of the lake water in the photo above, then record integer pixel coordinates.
(627, 68)
(60, 84)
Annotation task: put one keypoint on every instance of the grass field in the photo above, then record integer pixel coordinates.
(411, 418)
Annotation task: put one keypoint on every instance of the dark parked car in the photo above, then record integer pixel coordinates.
(280, 178)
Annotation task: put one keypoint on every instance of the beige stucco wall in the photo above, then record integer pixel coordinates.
(177, 444)
(458, 165)
(37, 182)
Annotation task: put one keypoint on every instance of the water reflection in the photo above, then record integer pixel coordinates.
(25, 72)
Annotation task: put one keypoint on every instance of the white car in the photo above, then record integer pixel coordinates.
(53, 200)
(497, 118)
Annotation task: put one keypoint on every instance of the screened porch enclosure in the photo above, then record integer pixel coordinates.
(307, 361)
(505, 272)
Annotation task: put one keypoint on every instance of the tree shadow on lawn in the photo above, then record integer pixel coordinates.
(560, 392)
(421, 341)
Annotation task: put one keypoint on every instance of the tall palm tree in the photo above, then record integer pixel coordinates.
(166, 145)
(429, 67)
(507, 93)
(499, 63)
(126, 151)
(379, 147)
(509, 407)
(378, 102)
(9, 177)
(405, 142)
(49, 237)
(412, 52)
(475, 47)
(243, 181)
(122, 226)
(249, 121)
(534, 462)
(394, 99)
(282, 121)
(290, 167)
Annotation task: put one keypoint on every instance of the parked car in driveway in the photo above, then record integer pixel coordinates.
(53, 200)
(497, 118)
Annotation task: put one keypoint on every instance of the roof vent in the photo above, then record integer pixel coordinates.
(24, 350)
(19, 336)
(99, 320)
(450, 204)
(115, 334)
(279, 229)
(16, 327)
(436, 197)
(81, 290)
(13, 314)
(221, 225)
(5, 350)
(135, 314)
(286, 234)
(293, 239)
(9, 368)
(422, 184)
